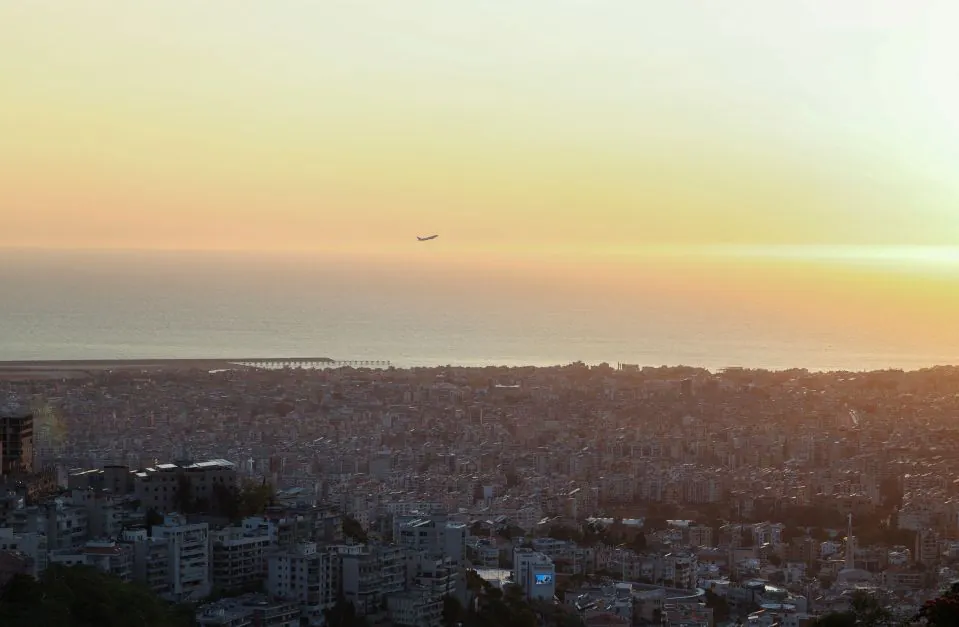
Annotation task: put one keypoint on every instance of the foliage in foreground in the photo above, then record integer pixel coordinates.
(493, 607)
(866, 611)
(943, 610)
(82, 596)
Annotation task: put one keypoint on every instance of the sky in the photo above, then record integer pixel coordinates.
(798, 157)
(558, 126)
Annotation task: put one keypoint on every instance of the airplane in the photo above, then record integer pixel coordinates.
(427, 238)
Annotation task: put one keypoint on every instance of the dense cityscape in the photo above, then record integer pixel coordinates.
(574, 495)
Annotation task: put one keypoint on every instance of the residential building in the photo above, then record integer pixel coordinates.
(535, 573)
(239, 557)
(306, 576)
(189, 557)
(16, 443)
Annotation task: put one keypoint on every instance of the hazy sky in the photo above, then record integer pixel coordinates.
(564, 125)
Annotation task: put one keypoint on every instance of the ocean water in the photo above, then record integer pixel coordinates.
(125, 305)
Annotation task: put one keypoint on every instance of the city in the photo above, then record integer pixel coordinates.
(599, 495)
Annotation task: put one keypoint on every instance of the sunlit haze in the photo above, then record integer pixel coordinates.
(795, 158)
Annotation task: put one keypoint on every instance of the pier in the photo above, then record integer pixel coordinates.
(308, 362)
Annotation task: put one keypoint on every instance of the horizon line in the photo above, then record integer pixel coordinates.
(932, 253)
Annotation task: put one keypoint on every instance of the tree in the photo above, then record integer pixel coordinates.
(865, 611)
(563, 533)
(354, 530)
(836, 619)
(719, 606)
(638, 543)
(868, 610)
(501, 608)
(513, 479)
(343, 614)
(78, 596)
(255, 498)
(943, 610)
(153, 518)
(236, 503)
(452, 611)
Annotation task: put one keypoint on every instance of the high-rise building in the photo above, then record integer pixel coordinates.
(306, 576)
(16, 444)
(189, 551)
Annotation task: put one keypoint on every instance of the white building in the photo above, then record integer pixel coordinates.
(535, 573)
(305, 576)
(371, 573)
(151, 560)
(434, 535)
(189, 557)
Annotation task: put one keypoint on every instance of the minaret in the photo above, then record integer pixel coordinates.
(850, 547)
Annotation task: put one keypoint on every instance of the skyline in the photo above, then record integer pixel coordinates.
(352, 127)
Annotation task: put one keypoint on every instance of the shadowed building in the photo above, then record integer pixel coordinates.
(16, 444)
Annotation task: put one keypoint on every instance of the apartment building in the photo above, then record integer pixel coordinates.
(239, 557)
(66, 526)
(151, 560)
(189, 556)
(32, 545)
(371, 573)
(306, 576)
(415, 609)
(433, 535)
(158, 487)
(16, 443)
(249, 611)
(535, 573)
(105, 555)
(438, 576)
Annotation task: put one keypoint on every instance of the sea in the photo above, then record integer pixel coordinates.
(123, 305)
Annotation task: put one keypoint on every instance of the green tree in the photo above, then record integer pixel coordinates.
(868, 610)
(719, 606)
(561, 532)
(836, 619)
(153, 518)
(354, 530)
(942, 611)
(865, 611)
(255, 498)
(81, 596)
(501, 608)
(453, 611)
(251, 498)
(638, 543)
(343, 614)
